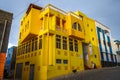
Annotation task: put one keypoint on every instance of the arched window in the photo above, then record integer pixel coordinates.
(74, 26)
(79, 27)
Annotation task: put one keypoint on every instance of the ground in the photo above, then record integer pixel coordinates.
(111, 73)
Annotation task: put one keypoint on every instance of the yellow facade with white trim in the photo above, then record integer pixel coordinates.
(52, 40)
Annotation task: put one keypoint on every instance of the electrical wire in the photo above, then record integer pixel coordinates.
(23, 11)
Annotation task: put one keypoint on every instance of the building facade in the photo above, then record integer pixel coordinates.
(11, 60)
(116, 49)
(5, 25)
(104, 37)
(53, 42)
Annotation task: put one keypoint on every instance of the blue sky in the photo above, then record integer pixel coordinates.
(105, 11)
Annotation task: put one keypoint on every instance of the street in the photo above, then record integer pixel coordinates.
(111, 73)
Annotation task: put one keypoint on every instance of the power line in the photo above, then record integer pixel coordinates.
(23, 11)
(19, 13)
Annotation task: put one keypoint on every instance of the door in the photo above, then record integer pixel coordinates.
(32, 72)
(85, 55)
(18, 75)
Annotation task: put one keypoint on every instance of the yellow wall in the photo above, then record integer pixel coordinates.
(44, 23)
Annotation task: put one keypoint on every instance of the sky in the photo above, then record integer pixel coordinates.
(105, 11)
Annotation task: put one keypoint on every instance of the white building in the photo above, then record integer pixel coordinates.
(116, 49)
(104, 37)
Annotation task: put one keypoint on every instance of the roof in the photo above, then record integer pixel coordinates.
(102, 24)
(6, 11)
(33, 6)
(117, 42)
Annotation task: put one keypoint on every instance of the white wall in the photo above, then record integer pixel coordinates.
(114, 48)
(103, 27)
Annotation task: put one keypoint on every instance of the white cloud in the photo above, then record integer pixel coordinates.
(10, 45)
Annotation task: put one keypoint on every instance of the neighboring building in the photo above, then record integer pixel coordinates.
(116, 49)
(10, 60)
(5, 25)
(104, 36)
(53, 42)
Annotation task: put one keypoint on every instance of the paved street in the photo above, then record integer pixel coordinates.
(101, 74)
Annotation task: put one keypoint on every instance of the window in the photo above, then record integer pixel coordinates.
(27, 63)
(71, 44)
(65, 61)
(64, 43)
(58, 41)
(91, 30)
(40, 42)
(28, 24)
(36, 41)
(63, 24)
(79, 27)
(27, 46)
(76, 45)
(92, 38)
(25, 27)
(87, 25)
(32, 44)
(109, 44)
(20, 36)
(57, 22)
(58, 61)
(95, 56)
(74, 26)
(104, 42)
(23, 48)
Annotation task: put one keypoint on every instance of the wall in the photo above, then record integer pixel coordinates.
(5, 25)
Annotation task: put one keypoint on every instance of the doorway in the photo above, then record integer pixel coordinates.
(85, 55)
(18, 75)
(32, 71)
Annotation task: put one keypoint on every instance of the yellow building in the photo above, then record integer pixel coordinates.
(53, 42)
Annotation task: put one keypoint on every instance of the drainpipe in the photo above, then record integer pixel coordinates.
(1, 43)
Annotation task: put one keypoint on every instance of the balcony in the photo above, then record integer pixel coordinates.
(30, 23)
(75, 26)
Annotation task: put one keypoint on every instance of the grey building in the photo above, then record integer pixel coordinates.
(5, 26)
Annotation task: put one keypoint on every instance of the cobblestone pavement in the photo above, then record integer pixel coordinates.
(112, 73)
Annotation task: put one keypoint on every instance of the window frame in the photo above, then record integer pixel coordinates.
(74, 25)
(58, 61)
(79, 27)
(71, 44)
(40, 42)
(64, 39)
(65, 61)
(57, 23)
(58, 41)
(76, 45)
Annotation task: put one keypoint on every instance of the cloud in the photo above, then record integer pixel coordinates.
(10, 45)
